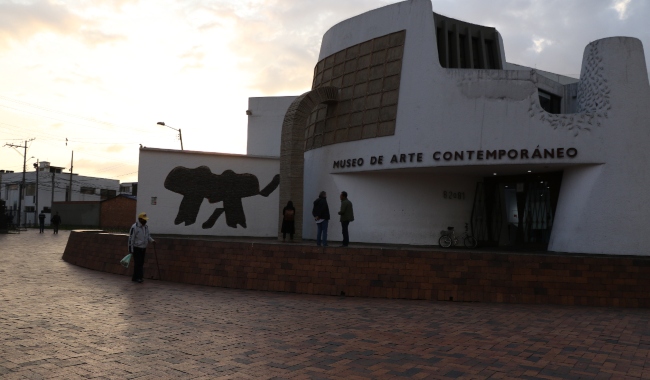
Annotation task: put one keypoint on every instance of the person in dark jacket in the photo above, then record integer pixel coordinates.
(56, 221)
(347, 216)
(321, 213)
(288, 221)
(41, 222)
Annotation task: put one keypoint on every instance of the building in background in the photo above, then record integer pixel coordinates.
(424, 123)
(129, 188)
(50, 184)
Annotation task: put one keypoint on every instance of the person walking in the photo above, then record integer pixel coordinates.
(139, 238)
(347, 216)
(321, 213)
(288, 221)
(41, 222)
(56, 221)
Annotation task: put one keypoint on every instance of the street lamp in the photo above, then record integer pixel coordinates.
(180, 135)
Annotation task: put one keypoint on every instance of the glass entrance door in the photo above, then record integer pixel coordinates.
(516, 211)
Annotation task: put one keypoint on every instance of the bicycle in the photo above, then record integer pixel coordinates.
(448, 238)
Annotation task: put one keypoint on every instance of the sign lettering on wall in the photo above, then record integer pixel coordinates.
(453, 195)
(462, 155)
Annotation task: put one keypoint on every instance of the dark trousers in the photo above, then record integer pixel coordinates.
(346, 235)
(138, 260)
(56, 228)
(41, 225)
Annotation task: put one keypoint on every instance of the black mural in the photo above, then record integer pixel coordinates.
(229, 187)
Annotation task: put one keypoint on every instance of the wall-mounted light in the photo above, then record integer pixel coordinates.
(249, 112)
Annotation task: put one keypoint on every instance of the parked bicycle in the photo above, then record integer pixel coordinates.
(448, 238)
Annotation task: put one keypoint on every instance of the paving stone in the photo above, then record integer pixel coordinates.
(60, 321)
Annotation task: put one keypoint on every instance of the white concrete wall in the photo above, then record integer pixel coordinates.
(392, 207)
(606, 208)
(559, 78)
(265, 124)
(155, 164)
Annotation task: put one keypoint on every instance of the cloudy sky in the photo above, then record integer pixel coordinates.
(102, 73)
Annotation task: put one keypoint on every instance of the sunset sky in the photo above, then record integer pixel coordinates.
(101, 73)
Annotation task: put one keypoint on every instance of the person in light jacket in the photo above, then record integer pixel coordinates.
(139, 238)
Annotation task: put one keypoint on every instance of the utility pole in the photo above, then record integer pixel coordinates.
(22, 183)
(36, 198)
(52, 201)
(70, 186)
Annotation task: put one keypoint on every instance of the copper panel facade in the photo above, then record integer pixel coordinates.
(368, 75)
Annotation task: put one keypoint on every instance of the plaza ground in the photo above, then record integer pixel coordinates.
(59, 321)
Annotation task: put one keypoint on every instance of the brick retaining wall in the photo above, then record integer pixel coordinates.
(453, 275)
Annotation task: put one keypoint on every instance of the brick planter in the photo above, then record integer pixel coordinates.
(453, 275)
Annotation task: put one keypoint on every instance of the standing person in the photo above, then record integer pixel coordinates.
(347, 215)
(321, 213)
(288, 223)
(41, 222)
(56, 220)
(139, 238)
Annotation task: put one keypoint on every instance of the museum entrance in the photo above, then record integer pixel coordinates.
(516, 211)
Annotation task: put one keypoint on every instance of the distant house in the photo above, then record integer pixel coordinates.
(129, 188)
(49, 184)
(118, 212)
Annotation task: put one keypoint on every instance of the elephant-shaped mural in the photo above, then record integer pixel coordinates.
(200, 183)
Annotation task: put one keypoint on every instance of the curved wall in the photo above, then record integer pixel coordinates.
(449, 275)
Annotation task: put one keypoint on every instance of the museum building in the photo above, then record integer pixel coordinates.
(421, 119)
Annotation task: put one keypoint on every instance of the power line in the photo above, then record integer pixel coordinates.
(55, 111)
(64, 113)
(61, 139)
(122, 175)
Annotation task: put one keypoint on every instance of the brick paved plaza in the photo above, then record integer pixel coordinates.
(59, 321)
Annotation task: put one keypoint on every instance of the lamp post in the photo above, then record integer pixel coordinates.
(180, 135)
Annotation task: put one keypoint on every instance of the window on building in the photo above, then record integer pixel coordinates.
(490, 49)
(476, 57)
(464, 51)
(549, 102)
(105, 193)
(30, 190)
(30, 209)
(87, 190)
